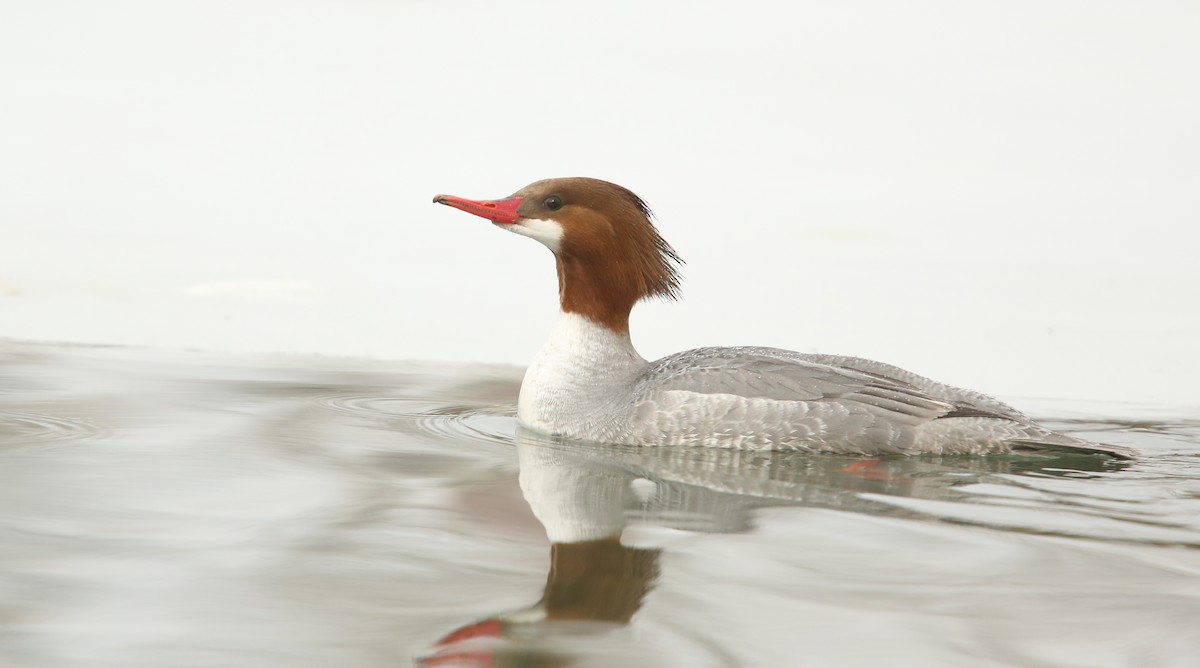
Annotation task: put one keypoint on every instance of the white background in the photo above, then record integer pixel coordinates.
(1000, 195)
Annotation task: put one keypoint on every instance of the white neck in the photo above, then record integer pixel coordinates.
(573, 382)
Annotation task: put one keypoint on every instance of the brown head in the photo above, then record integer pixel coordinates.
(609, 254)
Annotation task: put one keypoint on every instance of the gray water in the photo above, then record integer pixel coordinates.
(189, 509)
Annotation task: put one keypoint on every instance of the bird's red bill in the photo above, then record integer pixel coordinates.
(495, 210)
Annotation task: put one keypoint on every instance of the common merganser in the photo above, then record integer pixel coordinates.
(589, 383)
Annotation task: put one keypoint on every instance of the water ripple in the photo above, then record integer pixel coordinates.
(488, 424)
(26, 427)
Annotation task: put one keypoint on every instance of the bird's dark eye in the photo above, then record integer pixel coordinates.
(553, 202)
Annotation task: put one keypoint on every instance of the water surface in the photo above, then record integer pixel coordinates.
(162, 508)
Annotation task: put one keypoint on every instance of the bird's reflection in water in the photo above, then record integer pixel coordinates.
(585, 495)
(593, 587)
(598, 580)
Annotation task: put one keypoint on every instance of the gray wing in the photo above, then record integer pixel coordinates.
(782, 399)
(782, 375)
(964, 400)
(833, 403)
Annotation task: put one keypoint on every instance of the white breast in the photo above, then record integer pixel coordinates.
(579, 383)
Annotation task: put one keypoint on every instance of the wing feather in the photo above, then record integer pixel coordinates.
(842, 404)
(785, 376)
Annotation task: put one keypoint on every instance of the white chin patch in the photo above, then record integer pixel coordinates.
(548, 232)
